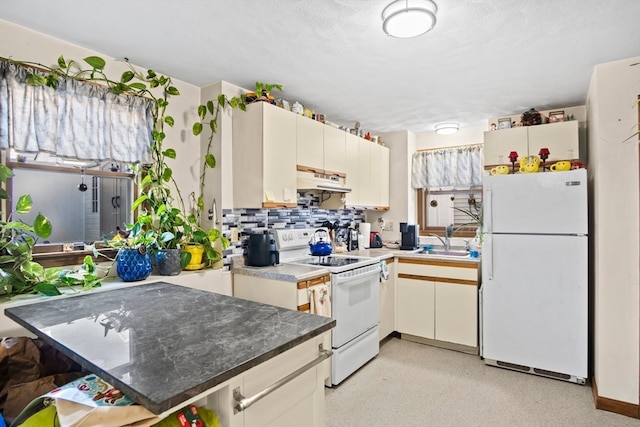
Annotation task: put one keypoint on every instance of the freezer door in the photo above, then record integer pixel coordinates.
(547, 203)
(534, 302)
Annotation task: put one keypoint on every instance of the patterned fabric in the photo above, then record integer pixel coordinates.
(76, 120)
(447, 168)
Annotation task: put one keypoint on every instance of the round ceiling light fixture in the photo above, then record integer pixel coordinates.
(409, 18)
(447, 128)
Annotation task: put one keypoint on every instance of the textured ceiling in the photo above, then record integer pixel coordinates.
(484, 58)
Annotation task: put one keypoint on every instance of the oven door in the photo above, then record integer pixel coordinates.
(355, 296)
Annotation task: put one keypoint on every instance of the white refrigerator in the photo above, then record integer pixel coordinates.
(534, 292)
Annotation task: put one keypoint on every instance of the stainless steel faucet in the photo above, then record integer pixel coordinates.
(445, 241)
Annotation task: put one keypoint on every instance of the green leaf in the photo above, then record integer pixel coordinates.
(210, 160)
(167, 236)
(197, 128)
(42, 226)
(5, 173)
(200, 203)
(4, 194)
(36, 80)
(202, 111)
(24, 204)
(210, 107)
(221, 100)
(47, 289)
(127, 76)
(166, 175)
(169, 120)
(139, 201)
(33, 270)
(61, 62)
(138, 86)
(173, 91)
(185, 257)
(96, 62)
(151, 74)
(213, 124)
(146, 180)
(170, 153)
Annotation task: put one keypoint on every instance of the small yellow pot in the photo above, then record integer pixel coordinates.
(196, 252)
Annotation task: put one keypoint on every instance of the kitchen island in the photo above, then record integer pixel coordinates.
(165, 346)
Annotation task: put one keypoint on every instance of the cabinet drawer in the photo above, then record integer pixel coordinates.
(437, 270)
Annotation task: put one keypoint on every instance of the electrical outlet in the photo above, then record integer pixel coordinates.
(388, 226)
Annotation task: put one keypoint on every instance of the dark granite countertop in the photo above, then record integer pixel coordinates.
(162, 344)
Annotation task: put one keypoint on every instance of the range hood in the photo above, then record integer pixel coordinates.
(320, 182)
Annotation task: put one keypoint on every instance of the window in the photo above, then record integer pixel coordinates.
(448, 181)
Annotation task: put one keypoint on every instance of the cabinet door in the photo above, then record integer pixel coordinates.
(309, 143)
(560, 138)
(375, 174)
(279, 155)
(334, 151)
(384, 176)
(456, 314)
(352, 164)
(415, 307)
(364, 178)
(387, 302)
(499, 143)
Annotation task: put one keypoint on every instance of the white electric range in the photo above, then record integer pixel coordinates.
(354, 299)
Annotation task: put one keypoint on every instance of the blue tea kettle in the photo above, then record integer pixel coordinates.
(320, 245)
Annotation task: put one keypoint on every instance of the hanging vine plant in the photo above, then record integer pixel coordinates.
(162, 211)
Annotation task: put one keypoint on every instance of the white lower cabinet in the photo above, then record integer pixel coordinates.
(438, 300)
(291, 385)
(415, 307)
(456, 313)
(387, 302)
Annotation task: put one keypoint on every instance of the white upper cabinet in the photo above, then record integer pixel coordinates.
(264, 157)
(561, 138)
(351, 167)
(334, 151)
(310, 144)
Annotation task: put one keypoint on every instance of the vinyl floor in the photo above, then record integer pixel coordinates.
(410, 384)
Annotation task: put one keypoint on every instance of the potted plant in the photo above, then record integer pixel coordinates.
(263, 92)
(19, 274)
(160, 195)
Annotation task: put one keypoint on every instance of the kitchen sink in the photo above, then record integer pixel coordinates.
(450, 252)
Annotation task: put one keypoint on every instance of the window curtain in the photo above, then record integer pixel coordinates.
(75, 120)
(447, 168)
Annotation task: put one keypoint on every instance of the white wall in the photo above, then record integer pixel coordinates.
(465, 136)
(401, 196)
(614, 178)
(23, 44)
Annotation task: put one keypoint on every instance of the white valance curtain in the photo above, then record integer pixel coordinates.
(447, 168)
(75, 120)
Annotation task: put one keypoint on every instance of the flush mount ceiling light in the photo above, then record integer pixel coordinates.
(409, 18)
(447, 128)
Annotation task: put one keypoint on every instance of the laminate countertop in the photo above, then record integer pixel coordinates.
(161, 344)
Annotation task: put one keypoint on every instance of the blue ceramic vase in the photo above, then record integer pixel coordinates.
(132, 265)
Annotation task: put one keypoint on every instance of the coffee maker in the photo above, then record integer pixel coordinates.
(410, 239)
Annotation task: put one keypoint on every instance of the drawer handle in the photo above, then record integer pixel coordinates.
(242, 403)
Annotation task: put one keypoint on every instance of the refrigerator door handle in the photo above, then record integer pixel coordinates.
(487, 255)
(488, 211)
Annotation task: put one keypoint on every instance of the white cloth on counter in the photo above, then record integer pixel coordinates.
(320, 300)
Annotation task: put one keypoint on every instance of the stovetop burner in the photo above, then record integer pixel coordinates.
(329, 261)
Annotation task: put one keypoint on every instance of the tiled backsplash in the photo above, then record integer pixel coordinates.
(246, 221)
